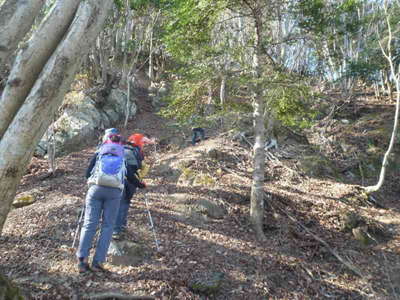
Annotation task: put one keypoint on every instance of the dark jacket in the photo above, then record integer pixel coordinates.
(134, 158)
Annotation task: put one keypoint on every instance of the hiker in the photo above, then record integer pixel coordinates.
(134, 157)
(102, 201)
(197, 135)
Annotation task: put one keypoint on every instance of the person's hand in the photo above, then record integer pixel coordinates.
(142, 185)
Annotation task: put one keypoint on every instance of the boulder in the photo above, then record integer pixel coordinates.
(26, 198)
(179, 197)
(318, 166)
(81, 119)
(197, 212)
(126, 253)
(361, 234)
(209, 208)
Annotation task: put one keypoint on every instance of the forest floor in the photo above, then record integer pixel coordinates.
(307, 253)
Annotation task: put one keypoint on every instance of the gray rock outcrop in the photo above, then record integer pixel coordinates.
(81, 120)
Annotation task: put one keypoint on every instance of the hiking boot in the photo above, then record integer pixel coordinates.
(96, 267)
(83, 267)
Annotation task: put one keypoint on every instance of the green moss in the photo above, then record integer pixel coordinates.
(204, 179)
(74, 99)
(188, 173)
(23, 200)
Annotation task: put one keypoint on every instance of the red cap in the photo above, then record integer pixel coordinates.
(140, 140)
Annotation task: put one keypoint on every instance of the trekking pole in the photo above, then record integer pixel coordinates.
(78, 226)
(152, 224)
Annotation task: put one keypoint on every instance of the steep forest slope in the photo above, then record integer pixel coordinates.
(324, 240)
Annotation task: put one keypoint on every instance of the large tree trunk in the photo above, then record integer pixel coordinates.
(16, 19)
(31, 59)
(34, 116)
(257, 188)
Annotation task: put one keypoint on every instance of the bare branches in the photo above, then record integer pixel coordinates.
(349, 265)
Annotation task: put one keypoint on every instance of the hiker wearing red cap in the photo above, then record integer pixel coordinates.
(133, 152)
(140, 140)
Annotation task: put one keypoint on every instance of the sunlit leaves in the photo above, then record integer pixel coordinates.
(189, 26)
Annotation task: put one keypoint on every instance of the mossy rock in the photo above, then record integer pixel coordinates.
(165, 170)
(179, 197)
(24, 199)
(73, 100)
(350, 220)
(362, 235)
(207, 284)
(366, 231)
(127, 253)
(8, 291)
(209, 208)
(219, 155)
(317, 165)
(191, 215)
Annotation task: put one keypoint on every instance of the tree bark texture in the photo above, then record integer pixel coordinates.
(257, 188)
(222, 95)
(32, 58)
(46, 95)
(16, 19)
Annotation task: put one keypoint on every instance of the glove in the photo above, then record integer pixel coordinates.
(141, 185)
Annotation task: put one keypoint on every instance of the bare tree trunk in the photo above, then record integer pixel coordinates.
(128, 98)
(103, 60)
(209, 109)
(31, 59)
(257, 188)
(151, 50)
(95, 64)
(395, 74)
(377, 90)
(34, 116)
(51, 148)
(16, 19)
(222, 91)
(151, 64)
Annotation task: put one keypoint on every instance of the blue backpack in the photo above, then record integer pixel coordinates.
(109, 169)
